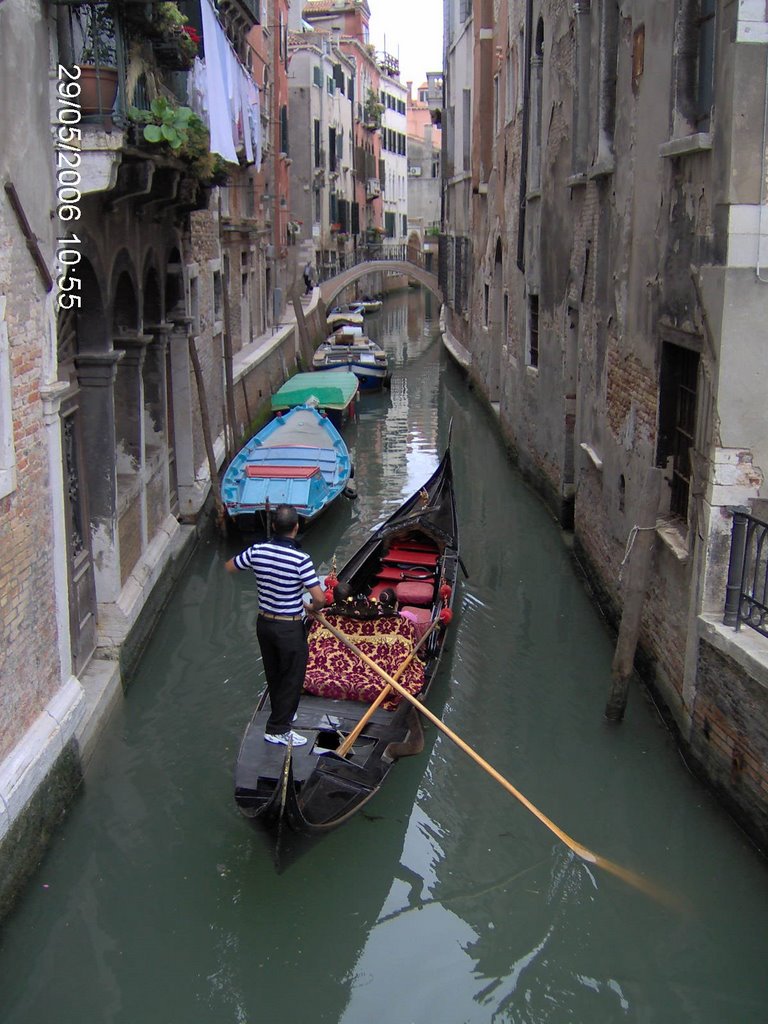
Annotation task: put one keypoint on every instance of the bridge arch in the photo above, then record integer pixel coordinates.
(335, 285)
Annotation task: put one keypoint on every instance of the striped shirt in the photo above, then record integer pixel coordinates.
(282, 573)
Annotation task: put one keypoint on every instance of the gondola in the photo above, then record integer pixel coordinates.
(312, 789)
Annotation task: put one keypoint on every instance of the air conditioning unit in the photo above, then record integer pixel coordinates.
(414, 172)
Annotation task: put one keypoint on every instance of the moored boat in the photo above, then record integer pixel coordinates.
(335, 320)
(298, 458)
(334, 393)
(370, 305)
(315, 788)
(358, 353)
(357, 308)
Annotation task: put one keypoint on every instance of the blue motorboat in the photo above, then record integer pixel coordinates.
(299, 458)
(355, 352)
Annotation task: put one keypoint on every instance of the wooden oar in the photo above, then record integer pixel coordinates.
(631, 877)
(385, 691)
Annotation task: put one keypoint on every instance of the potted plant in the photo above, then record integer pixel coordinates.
(176, 43)
(98, 61)
(372, 112)
(180, 133)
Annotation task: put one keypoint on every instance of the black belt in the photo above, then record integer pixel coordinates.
(281, 618)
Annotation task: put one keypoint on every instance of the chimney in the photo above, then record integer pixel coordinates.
(409, 87)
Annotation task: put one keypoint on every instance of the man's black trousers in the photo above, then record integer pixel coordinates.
(284, 652)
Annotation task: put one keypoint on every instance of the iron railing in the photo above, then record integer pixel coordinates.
(746, 592)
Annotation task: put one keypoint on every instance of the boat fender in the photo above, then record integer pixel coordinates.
(350, 491)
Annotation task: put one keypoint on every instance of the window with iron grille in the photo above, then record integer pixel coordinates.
(677, 420)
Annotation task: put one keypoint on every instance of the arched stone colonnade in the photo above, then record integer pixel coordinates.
(123, 361)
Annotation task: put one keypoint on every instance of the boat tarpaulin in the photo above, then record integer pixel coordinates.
(333, 389)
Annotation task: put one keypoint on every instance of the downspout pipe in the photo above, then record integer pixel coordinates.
(524, 147)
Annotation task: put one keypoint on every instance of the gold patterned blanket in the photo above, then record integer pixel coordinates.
(335, 671)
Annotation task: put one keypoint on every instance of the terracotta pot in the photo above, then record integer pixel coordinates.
(98, 89)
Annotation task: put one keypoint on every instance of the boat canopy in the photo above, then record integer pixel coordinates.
(332, 390)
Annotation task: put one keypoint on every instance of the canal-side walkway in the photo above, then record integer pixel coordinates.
(43, 769)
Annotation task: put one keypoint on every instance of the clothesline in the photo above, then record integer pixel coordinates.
(225, 95)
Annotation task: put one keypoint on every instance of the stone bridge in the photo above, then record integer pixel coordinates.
(335, 285)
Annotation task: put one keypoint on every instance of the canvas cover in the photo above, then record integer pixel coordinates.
(333, 389)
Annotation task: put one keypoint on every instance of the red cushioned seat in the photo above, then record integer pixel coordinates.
(406, 556)
(413, 592)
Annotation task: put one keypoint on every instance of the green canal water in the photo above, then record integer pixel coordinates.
(446, 901)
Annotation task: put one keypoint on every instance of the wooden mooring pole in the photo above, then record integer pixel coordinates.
(639, 556)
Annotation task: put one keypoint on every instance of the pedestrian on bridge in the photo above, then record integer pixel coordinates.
(309, 276)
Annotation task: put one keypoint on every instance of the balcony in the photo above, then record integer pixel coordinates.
(372, 188)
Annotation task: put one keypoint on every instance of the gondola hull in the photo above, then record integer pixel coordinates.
(311, 789)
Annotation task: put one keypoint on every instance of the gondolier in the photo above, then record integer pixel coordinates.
(283, 572)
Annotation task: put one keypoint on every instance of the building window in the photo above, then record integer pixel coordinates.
(606, 102)
(194, 300)
(677, 421)
(317, 76)
(705, 63)
(536, 79)
(284, 129)
(695, 65)
(317, 146)
(217, 295)
(581, 106)
(533, 330)
(7, 450)
(466, 134)
(496, 111)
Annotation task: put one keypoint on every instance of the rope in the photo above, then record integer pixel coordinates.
(631, 539)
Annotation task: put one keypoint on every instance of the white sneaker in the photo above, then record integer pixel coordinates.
(285, 738)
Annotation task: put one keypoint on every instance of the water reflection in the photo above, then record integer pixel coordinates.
(446, 900)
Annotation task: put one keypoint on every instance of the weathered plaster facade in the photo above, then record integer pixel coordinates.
(617, 290)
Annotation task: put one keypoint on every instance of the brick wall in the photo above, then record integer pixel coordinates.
(29, 669)
(729, 740)
(631, 399)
